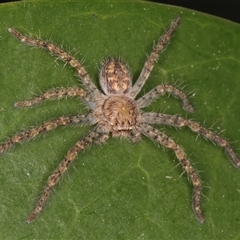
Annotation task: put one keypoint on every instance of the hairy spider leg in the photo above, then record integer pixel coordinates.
(95, 136)
(177, 121)
(61, 54)
(149, 64)
(167, 142)
(45, 127)
(52, 95)
(161, 90)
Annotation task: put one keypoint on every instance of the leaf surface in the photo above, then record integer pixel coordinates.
(119, 190)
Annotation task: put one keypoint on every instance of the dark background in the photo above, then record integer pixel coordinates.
(229, 9)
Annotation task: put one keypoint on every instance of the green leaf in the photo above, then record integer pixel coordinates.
(119, 190)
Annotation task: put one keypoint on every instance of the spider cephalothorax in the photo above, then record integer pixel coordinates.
(116, 112)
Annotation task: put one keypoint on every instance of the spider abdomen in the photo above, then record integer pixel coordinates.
(115, 77)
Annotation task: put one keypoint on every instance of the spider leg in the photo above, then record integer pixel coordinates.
(57, 94)
(52, 95)
(160, 90)
(167, 142)
(95, 136)
(149, 64)
(61, 54)
(177, 121)
(134, 136)
(47, 126)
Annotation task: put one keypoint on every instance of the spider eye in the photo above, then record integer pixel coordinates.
(115, 77)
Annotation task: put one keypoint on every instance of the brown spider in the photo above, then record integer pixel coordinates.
(117, 112)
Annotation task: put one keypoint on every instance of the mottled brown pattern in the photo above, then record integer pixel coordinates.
(115, 77)
(116, 113)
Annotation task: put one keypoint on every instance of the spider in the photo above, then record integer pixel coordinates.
(116, 111)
